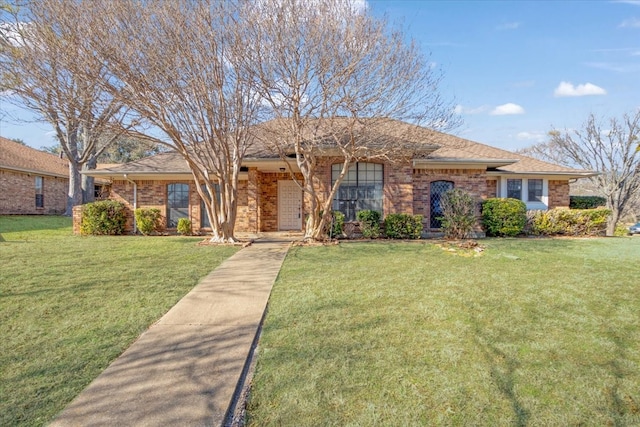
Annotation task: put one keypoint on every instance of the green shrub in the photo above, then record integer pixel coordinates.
(148, 220)
(338, 224)
(458, 214)
(504, 217)
(403, 226)
(369, 223)
(586, 202)
(106, 217)
(568, 222)
(621, 230)
(184, 226)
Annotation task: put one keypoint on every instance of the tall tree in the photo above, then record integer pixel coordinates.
(47, 67)
(333, 76)
(176, 64)
(610, 150)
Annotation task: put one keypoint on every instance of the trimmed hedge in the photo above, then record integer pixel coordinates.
(568, 222)
(148, 220)
(369, 223)
(106, 217)
(504, 217)
(586, 202)
(403, 226)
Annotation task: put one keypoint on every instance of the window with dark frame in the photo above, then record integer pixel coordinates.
(177, 203)
(436, 190)
(361, 189)
(39, 186)
(514, 189)
(534, 188)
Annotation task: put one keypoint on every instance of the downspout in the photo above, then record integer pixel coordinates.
(135, 202)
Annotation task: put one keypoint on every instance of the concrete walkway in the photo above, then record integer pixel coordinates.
(185, 369)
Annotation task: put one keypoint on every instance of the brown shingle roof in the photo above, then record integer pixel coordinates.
(15, 156)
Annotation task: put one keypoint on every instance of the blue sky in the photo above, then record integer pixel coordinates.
(515, 69)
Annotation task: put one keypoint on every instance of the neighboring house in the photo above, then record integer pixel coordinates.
(269, 200)
(31, 181)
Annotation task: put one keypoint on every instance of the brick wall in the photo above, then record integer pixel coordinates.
(18, 195)
(558, 194)
(473, 181)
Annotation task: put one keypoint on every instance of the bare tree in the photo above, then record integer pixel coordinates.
(333, 77)
(175, 64)
(45, 66)
(611, 151)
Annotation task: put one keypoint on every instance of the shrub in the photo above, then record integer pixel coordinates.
(338, 224)
(504, 217)
(458, 214)
(369, 223)
(586, 202)
(403, 226)
(148, 220)
(568, 222)
(184, 226)
(106, 217)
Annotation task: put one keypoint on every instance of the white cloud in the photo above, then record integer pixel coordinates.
(568, 89)
(630, 23)
(507, 109)
(460, 109)
(532, 136)
(508, 26)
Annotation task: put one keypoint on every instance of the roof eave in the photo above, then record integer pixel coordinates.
(464, 163)
(34, 171)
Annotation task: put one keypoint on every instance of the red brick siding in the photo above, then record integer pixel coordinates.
(473, 181)
(398, 188)
(492, 188)
(558, 194)
(18, 194)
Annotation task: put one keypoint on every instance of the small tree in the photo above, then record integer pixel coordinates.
(612, 151)
(458, 214)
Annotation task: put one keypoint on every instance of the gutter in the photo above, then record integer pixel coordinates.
(135, 202)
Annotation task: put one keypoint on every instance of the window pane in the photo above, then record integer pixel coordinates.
(514, 189)
(39, 186)
(360, 189)
(437, 189)
(535, 190)
(177, 203)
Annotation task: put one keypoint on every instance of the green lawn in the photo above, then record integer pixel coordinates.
(534, 332)
(70, 305)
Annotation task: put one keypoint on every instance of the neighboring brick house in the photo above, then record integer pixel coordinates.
(31, 181)
(269, 200)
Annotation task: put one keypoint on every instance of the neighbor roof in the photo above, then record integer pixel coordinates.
(18, 157)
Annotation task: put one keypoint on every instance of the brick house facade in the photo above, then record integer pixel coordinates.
(32, 182)
(268, 199)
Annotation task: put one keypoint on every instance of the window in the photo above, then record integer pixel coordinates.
(535, 190)
(177, 203)
(39, 192)
(204, 216)
(437, 189)
(361, 189)
(514, 189)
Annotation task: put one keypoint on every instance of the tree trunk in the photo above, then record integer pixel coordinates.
(74, 195)
(88, 182)
(612, 222)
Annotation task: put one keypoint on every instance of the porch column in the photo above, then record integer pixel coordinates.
(253, 200)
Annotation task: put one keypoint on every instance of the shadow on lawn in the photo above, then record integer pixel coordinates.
(502, 368)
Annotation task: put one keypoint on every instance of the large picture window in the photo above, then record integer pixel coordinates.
(361, 189)
(177, 203)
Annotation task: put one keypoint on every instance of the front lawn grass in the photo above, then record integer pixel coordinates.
(70, 305)
(535, 332)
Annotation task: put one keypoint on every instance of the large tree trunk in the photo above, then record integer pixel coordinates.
(88, 182)
(74, 195)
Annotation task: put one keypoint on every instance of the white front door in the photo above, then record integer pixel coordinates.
(289, 206)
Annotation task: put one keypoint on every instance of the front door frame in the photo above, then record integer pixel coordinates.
(283, 202)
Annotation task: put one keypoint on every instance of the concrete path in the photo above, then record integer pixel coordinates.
(184, 370)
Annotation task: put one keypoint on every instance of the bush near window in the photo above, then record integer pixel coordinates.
(458, 214)
(504, 217)
(105, 217)
(568, 222)
(586, 202)
(403, 226)
(184, 226)
(338, 224)
(369, 223)
(148, 220)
